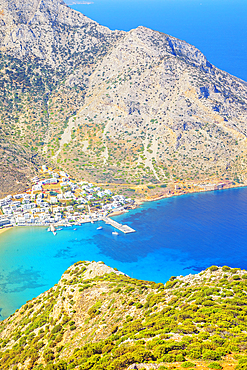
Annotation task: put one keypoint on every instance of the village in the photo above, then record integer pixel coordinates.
(57, 200)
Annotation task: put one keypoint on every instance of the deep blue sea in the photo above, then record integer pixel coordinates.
(217, 27)
(174, 236)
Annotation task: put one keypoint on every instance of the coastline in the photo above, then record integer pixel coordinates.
(140, 201)
(5, 229)
(154, 198)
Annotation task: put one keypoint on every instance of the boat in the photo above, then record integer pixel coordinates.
(52, 228)
(54, 233)
(75, 228)
(99, 228)
(59, 229)
(115, 233)
(49, 229)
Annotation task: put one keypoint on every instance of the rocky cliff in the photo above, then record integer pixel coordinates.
(123, 107)
(98, 318)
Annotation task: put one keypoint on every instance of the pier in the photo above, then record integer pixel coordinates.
(124, 228)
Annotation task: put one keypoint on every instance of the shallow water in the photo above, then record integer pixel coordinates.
(174, 236)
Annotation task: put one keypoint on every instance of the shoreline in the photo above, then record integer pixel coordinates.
(140, 201)
(5, 229)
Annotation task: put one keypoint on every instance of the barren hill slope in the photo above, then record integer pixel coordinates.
(125, 107)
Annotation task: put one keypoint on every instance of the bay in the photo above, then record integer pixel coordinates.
(217, 27)
(174, 236)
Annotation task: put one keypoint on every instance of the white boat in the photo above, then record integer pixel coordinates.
(54, 233)
(75, 228)
(52, 228)
(49, 229)
(115, 233)
(99, 228)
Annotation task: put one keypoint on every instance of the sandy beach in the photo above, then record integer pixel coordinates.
(5, 229)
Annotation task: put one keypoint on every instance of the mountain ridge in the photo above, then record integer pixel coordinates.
(137, 107)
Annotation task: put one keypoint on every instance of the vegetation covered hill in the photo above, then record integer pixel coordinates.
(111, 106)
(98, 318)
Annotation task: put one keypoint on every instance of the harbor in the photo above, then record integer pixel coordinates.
(124, 228)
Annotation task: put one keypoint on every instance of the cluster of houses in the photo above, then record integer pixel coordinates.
(56, 199)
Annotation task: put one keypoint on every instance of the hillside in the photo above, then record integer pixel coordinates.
(111, 106)
(99, 318)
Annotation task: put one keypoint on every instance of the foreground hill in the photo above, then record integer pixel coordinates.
(98, 318)
(122, 107)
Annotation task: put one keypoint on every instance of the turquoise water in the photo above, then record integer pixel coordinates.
(217, 27)
(174, 236)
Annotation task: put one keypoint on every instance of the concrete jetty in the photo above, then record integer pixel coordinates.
(124, 228)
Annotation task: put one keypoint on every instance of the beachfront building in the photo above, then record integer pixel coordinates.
(58, 199)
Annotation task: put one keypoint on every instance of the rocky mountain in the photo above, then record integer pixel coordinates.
(98, 318)
(122, 107)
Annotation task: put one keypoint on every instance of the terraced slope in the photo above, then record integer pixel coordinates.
(98, 318)
(111, 106)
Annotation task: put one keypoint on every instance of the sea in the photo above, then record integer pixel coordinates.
(216, 27)
(174, 236)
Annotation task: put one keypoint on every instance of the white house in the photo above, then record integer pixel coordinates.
(53, 200)
(81, 200)
(108, 192)
(37, 187)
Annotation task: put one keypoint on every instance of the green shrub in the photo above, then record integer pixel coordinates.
(211, 355)
(180, 358)
(236, 277)
(215, 365)
(242, 363)
(114, 329)
(226, 268)
(208, 302)
(188, 364)
(213, 268)
(168, 358)
(139, 305)
(56, 329)
(194, 355)
(170, 284)
(94, 310)
(241, 367)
